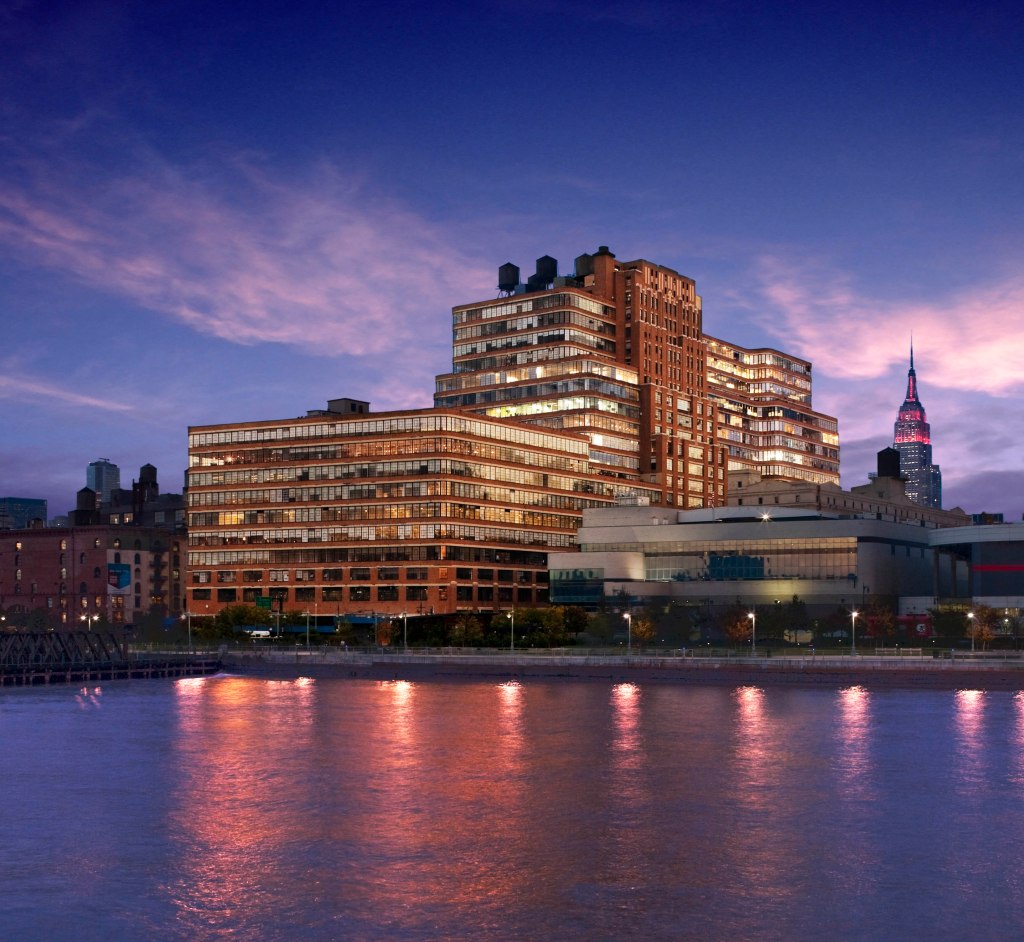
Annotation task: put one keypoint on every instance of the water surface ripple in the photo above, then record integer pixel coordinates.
(245, 809)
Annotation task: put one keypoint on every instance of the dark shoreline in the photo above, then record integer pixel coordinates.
(875, 673)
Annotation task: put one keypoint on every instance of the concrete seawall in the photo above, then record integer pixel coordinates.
(872, 672)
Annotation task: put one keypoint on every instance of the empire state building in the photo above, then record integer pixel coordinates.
(913, 442)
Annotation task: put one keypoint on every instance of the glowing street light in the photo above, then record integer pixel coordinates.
(629, 632)
(753, 632)
(405, 631)
(511, 616)
(970, 621)
(853, 631)
(90, 620)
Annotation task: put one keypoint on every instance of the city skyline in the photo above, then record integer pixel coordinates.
(210, 218)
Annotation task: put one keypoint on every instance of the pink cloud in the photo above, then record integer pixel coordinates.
(850, 333)
(859, 344)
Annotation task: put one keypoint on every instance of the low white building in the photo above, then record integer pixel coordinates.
(734, 554)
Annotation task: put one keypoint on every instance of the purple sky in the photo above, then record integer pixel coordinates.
(217, 212)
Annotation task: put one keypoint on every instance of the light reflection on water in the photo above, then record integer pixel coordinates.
(233, 815)
(755, 771)
(1018, 739)
(853, 762)
(969, 722)
(231, 808)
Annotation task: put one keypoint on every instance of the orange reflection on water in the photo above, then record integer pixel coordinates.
(511, 725)
(626, 716)
(228, 820)
(402, 694)
(854, 725)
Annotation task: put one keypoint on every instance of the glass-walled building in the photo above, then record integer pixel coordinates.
(766, 422)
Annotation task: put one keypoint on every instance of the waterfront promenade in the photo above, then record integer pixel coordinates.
(961, 671)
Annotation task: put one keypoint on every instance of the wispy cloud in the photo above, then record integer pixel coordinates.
(851, 333)
(319, 262)
(24, 388)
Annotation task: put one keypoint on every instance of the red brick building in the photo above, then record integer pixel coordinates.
(71, 577)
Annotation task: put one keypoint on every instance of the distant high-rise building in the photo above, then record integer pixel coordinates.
(913, 441)
(103, 477)
(141, 505)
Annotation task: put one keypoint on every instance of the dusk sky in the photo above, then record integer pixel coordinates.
(217, 212)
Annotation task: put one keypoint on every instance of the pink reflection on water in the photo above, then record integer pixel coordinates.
(1018, 739)
(628, 786)
(853, 761)
(753, 747)
(969, 721)
(970, 707)
(89, 699)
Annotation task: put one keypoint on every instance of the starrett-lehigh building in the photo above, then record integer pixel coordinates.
(565, 393)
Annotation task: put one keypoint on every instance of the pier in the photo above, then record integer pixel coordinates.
(64, 657)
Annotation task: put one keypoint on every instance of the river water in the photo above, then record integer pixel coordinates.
(249, 809)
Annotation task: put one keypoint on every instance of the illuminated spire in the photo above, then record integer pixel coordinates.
(912, 376)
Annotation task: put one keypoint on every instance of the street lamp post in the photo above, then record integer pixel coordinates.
(853, 631)
(512, 629)
(188, 620)
(629, 632)
(90, 620)
(970, 621)
(307, 629)
(405, 631)
(753, 633)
